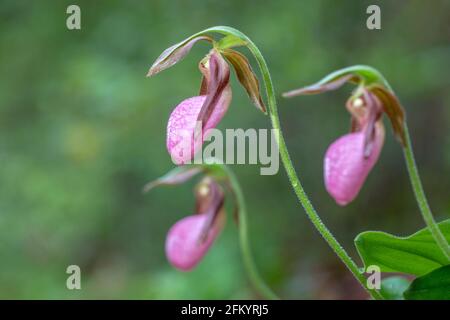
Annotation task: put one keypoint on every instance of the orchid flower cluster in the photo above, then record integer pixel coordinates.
(347, 164)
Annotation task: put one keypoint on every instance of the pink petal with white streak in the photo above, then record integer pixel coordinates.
(184, 249)
(183, 121)
(346, 168)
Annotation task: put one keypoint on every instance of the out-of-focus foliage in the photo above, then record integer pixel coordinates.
(82, 130)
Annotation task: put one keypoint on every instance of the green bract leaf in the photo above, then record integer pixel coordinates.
(368, 79)
(211, 166)
(356, 74)
(432, 286)
(366, 73)
(230, 41)
(417, 254)
(392, 288)
(175, 176)
(175, 53)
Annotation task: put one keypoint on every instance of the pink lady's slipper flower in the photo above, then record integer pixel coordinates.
(349, 160)
(189, 239)
(192, 118)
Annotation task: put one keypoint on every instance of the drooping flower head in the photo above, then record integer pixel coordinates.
(189, 239)
(349, 160)
(193, 117)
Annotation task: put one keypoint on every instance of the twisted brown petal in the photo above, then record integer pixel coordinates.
(209, 200)
(246, 76)
(216, 84)
(176, 176)
(394, 110)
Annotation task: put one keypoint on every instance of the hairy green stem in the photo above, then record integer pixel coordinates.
(249, 263)
(421, 198)
(295, 182)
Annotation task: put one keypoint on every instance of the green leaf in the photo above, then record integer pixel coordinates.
(432, 286)
(392, 288)
(178, 175)
(230, 41)
(178, 51)
(175, 53)
(215, 167)
(417, 254)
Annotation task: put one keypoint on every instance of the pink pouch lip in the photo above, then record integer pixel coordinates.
(184, 246)
(346, 168)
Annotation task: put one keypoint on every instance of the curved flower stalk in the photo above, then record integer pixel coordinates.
(233, 38)
(350, 158)
(189, 239)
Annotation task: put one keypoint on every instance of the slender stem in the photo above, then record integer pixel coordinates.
(421, 198)
(297, 186)
(249, 263)
(295, 182)
(416, 182)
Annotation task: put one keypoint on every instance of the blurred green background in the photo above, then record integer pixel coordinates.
(82, 130)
